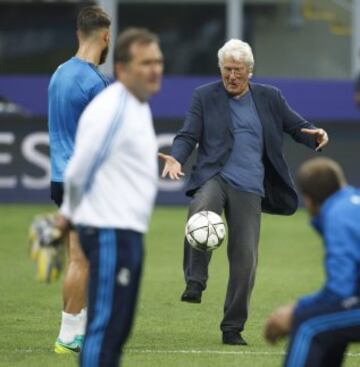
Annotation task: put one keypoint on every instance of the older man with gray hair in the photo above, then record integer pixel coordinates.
(240, 169)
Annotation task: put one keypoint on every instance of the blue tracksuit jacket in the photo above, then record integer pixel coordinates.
(339, 224)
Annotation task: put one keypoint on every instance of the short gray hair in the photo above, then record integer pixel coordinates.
(239, 51)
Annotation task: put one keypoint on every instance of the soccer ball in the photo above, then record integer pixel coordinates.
(205, 231)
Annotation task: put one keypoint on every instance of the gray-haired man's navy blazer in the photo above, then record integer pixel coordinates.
(208, 123)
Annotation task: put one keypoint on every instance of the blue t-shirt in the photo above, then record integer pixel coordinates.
(244, 168)
(338, 224)
(73, 85)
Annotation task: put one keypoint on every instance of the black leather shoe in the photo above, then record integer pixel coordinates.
(233, 338)
(192, 293)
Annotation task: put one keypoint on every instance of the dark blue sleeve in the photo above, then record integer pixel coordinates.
(324, 297)
(189, 135)
(340, 264)
(293, 123)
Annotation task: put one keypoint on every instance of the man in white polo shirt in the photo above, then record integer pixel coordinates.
(110, 187)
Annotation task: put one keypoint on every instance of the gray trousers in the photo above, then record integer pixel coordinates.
(243, 216)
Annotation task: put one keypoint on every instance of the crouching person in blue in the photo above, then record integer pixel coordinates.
(322, 325)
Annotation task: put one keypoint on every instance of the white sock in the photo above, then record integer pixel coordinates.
(69, 327)
(82, 322)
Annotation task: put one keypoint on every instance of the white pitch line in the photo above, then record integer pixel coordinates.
(229, 352)
(190, 351)
(240, 352)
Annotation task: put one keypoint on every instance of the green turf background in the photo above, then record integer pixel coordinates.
(167, 332)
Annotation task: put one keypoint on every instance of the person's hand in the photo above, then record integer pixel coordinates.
(48, 230)
(279, 323)
(321, 137)
(172, 167)
(62, 223)
(54, 232)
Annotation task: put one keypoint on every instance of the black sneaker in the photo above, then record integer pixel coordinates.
(192, 293)
(233, 338)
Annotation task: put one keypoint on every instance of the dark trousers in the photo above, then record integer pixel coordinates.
(115, 260)
(243, 215)
(320, 335)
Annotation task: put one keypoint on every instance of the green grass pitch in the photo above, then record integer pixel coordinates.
(167, 332)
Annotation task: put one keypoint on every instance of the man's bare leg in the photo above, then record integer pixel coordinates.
(74, 293)
(76, 277)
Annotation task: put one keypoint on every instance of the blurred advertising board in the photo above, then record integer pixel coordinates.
(25, 164)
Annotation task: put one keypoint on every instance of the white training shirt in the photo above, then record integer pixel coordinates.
(111, 179)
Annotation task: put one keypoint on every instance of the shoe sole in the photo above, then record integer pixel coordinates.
(61, 349)
(189, 300)
(240, 344)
